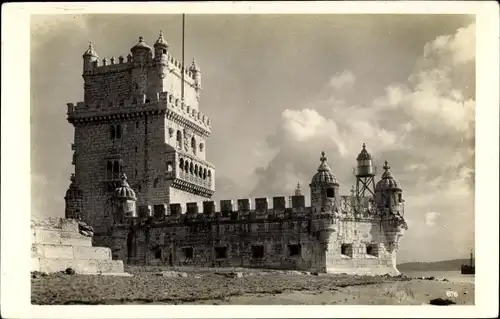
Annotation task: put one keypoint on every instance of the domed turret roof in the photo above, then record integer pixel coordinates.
(364, 155)
(161, 42)
(124, 191)
(141, 45)
(194, 67)
(387, 182)
(324, 174)
(90, 51)
(73, 190)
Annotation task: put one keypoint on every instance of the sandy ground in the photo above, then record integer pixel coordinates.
(256, 288)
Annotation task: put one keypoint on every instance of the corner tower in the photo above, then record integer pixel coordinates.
(389, 194)
(324, 189)
(134, 121)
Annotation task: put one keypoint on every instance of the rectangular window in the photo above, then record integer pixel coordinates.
(116, 131)
(188, 252)
(346, 250)
(158, 253)
(372, 250)
(330, 192)
(159, 211)
(258, 251)
(220, 252)
(294, 250)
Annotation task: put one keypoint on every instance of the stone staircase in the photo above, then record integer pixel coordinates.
(57, 244)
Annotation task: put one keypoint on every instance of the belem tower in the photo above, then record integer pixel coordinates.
(143, 182)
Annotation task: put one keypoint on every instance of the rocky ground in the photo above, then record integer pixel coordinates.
(149, 285)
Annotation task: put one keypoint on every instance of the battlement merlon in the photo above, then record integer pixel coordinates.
(260, 207)
(163, 102)
(106, 66)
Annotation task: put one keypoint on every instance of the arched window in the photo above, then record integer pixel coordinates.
(200, 173)
(193, 145)
(209, 175)
(179, 139)
(205, 173)
(196, 170)
(169, 166)
(191, 167)
(186, 166)
(181, 164)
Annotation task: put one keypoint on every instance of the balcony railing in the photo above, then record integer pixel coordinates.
(188, 177)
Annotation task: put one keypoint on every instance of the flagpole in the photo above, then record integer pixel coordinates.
(182, 70)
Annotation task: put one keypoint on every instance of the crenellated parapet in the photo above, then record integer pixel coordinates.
(185, 114)
(120, 64)
(137, 106)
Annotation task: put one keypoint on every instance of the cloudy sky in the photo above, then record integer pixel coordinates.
(281, 89)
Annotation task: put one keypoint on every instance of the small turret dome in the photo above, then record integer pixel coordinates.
(324, 174)
(90, 51)
(387, 182)
(161, 42)
(140, 46)
(124, 191)
(194, 67)
(364, 155)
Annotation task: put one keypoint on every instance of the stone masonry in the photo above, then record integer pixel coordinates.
(143, 182)
(58, 244)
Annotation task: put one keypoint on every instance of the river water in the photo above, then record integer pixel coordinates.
(454, 276)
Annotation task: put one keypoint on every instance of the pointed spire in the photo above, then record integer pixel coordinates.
(364, 155)
(386, 166)
(323, 166)
(73, 181)
(161, 40)
(123, 177)
(387, 173)
(298, 191)
(90, 51)
(194, 67)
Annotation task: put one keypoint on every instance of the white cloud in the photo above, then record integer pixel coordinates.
(430, 218)
(342, 80)
(423, 127)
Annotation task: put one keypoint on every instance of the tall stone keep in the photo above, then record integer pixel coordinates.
(135, 119)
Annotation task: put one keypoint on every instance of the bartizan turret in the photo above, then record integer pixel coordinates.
(124, 200)
(90, 59)
(390, 204)
(195, 70)
(73, 200)
(324, 189)
(388, 193)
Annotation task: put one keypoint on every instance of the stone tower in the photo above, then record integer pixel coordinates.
(388, 193)
(136, 119)
(324, 189)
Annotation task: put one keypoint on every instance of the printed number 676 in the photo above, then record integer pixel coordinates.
(450, 293)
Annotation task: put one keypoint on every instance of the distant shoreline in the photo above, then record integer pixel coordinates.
(444, 265)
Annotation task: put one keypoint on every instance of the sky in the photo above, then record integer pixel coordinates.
(279, 89)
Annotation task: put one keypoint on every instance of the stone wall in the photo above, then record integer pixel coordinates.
(289, 238)
(58, 244)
